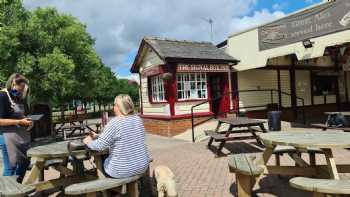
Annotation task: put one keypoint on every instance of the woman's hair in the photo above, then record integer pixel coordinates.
(125, 104)
(18, 79)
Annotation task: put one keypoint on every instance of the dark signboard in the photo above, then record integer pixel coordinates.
(324, 19)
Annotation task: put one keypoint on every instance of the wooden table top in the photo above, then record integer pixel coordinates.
(344, 113)
(304, 139)
(241, 121)
(57, 149)
(54, 150)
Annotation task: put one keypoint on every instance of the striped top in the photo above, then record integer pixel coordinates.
(125, 138)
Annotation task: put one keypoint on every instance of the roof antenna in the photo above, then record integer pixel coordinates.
(210, 21)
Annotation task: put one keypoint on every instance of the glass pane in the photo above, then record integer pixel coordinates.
(193, 77)
(193, 86)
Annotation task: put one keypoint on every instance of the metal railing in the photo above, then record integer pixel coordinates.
(235, 94)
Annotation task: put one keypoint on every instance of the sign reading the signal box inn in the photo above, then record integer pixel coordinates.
(203, 68)
(325, 19)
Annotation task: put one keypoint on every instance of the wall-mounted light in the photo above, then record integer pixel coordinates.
(308, 44)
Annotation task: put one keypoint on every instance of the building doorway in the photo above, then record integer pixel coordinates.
(219, 97)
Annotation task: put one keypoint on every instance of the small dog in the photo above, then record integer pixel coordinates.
(166, 185)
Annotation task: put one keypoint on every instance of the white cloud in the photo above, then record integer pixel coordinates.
(119, 25)
(258, 18)
(132, 77)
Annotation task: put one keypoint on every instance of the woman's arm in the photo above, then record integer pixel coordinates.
(8, 122)
(13, 122)
(107, 138)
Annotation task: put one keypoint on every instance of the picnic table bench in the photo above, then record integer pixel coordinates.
(247, 171)
(92, 187)
(238, 122)
(300, 140)
(10, 188)
(325, 127)
(321, 186)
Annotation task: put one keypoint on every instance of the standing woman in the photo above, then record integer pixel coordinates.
(14, 125)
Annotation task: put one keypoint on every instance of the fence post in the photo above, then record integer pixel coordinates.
(192, 122)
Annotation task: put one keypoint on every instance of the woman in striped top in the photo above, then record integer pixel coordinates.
(124, 136)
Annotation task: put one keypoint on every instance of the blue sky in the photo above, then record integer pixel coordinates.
(118, 26)
(287, 6)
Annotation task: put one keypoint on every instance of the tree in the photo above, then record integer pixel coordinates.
(57, 55)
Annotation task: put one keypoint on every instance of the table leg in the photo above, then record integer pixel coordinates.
(64, 134)
(332, 168)
(99, 166)
(255, 136)
(37, 171)
(298, 160)
(262, 127)
(221, 146)
(266, 155)
(278, 159)
(133, 189)
(91, 194)
(222, 143)
(216, 130)
(312, 157)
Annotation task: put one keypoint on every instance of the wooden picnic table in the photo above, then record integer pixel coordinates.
(344, 113)
(72, 127)
(325, 126)
(237, 122)
(41, 154)
(326, 141)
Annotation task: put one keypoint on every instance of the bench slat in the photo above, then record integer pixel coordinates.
(291, 149)
(10, 188)
(324, 126)
(99, 185)
(244, 164)
(215, 135)
(326, 186)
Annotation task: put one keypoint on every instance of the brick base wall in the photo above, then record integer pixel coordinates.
(169, 128)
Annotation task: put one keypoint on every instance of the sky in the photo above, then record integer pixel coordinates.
(119, 25)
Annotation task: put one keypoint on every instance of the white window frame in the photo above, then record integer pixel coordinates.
(157, 86)
(191, 85)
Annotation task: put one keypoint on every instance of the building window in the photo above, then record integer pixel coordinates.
(191, 86)
(157, 86)
(324, 85)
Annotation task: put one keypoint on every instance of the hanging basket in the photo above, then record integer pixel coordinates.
(167, 76)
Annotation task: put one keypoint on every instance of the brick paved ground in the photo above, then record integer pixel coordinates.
(200, 174)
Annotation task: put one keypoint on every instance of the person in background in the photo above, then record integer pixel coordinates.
(15, 140)
(124, 136)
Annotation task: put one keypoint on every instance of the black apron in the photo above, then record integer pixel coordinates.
(17, 138)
